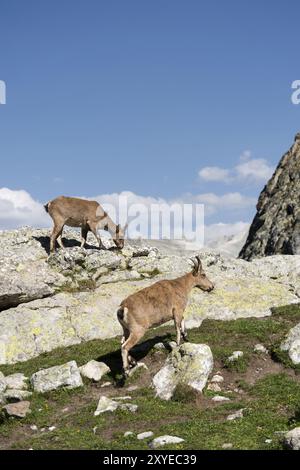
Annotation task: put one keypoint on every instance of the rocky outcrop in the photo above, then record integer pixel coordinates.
(276, 225)
(189, 364)
(82, 289)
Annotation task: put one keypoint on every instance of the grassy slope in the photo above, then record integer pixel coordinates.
(268, 387)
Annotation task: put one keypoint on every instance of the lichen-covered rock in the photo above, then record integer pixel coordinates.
(276, 225)
(94, 370)
(292, 344)
(16, 381)
(189, 364)
(25, 275)
(66, 375)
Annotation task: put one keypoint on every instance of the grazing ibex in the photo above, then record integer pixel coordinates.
(89, 215)
(157, 304)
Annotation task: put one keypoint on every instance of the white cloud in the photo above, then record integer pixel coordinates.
(249, 170)
(214, 173)
(226, 202)
(254, 170)
(18, 208)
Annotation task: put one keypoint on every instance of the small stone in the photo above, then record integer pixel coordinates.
(18, 410)
(136, 368)
(94, 370)
(128, 433)
(122, 398)
(237, 415)
(227, 445)
(268, 441)
(16, 381)
(144, 435)
(219, 398)
(132, 388)
(16, 395)
(260, 348)
(217, 379)
(33, 427)
(235, 356)
(105, 404)
(95, 429)
(163, 440)
(213, 387)
(128, 407)
(159, 346)
(51, 428)
(105, 384)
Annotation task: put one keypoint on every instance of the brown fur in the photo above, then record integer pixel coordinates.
(157, 304)
(89, 215)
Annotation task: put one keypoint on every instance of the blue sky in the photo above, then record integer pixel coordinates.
(131, 95)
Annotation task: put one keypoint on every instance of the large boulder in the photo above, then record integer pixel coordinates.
(66, 375)
(189, 364)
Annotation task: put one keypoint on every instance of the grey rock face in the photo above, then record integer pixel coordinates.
(276, 225)
(66, 375)
(189, 364)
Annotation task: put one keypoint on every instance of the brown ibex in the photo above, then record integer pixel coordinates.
(161, 302)
(89, 215)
